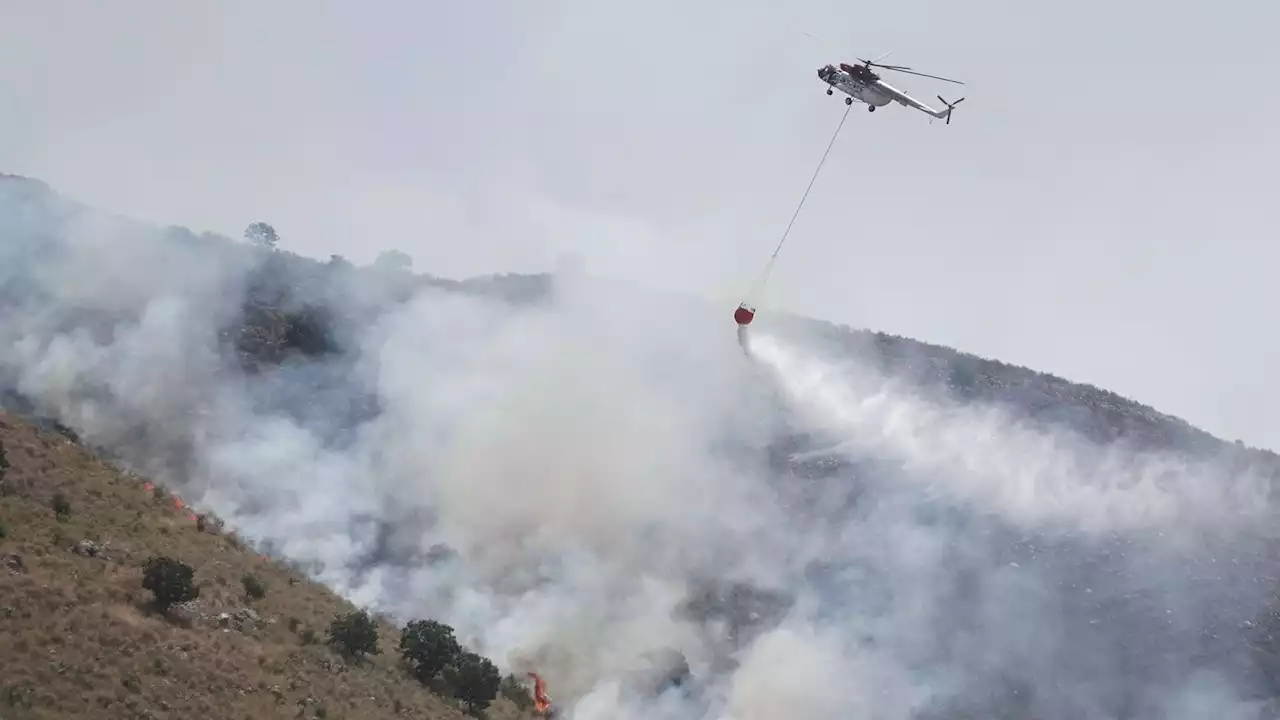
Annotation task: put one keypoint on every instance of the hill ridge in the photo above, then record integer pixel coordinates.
(960, 374)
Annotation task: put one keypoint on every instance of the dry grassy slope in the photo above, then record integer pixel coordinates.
(76, 639)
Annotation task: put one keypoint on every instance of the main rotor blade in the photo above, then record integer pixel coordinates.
(913, 72)
(876, 62)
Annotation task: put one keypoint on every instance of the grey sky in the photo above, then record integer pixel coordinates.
(1096, 209)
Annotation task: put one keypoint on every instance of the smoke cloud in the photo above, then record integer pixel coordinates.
(585, 484)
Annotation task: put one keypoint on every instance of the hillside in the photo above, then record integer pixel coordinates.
(80, 638)
(296, 305)
(592, 482)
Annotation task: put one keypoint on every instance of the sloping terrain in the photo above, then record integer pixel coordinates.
(596, 484)
(79, 639)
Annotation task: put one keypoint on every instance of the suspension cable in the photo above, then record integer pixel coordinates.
(769, 267)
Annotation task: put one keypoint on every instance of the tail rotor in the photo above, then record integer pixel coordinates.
(950, 106)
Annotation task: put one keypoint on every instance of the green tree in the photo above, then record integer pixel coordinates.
(428, 647)
(354, 634)
(262, 235)
(170, 580)
(475, 681)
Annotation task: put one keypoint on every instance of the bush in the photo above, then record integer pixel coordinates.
(354, 634)
(61, 506)
(475, 681)
(171, 581)
(254, 589)
(515, 691)
(428, 647)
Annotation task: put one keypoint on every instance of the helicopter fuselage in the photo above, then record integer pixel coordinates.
(863, 90)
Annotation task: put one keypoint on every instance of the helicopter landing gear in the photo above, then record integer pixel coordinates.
(848, 101)
(871, 108)
(829, 91)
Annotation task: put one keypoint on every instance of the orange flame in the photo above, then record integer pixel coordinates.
(541, 701)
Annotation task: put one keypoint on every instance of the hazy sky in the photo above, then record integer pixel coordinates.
(1096, 208)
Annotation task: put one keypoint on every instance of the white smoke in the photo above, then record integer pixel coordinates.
(591, 458)
(1030, 475)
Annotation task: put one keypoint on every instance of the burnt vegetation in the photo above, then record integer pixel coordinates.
(105, 608)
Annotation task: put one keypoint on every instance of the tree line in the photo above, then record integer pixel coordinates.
(429, 649)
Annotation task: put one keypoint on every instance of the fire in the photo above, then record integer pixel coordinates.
(541, 701)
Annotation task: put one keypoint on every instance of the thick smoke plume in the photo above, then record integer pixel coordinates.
(596, 482)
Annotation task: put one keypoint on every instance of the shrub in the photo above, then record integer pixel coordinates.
(253, 587)
(170, 580)
(428, 647)
(61, 506)
(515, 691)
(354, 634)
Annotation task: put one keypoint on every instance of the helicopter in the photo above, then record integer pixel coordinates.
(863, 84)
